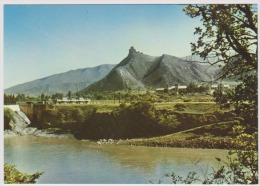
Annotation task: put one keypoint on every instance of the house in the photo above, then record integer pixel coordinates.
(73, 101)
(175, 88)
(216, 86)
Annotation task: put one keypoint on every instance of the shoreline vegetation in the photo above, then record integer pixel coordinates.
(143, 123)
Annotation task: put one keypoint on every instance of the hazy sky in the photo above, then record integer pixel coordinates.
(41, 40)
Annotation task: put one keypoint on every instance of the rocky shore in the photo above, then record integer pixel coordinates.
(30, 131)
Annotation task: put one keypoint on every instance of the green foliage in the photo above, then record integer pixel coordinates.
(9, 99)
(229, 34)
(241, 166)
(56, 96)
(122, 106)
(229, 38)
(21, 97)
(170, 121)
(8, 113)
(245, 100)
(192, 88)
(245, 163)
(65, 114)
(8, 116)
(180, 107)
(69, 94)
(14, 176)
(78, 115)
(220, 97)
(44, 97)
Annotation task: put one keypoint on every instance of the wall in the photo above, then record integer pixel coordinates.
(35, 113)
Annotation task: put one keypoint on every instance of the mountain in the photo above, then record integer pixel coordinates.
(74, 80)
(140, 71)
(194, 58)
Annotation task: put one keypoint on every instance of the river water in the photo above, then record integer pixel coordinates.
(72, 161)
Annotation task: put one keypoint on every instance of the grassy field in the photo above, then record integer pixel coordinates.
(191, 107)
(196, 123)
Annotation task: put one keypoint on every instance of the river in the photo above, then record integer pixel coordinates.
(72, 161)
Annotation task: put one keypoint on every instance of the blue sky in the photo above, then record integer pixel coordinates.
(41, 40)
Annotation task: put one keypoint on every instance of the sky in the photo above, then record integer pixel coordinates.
(42, 40)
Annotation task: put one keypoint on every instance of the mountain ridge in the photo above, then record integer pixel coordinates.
(135, 71)
(73, 80)
(140, 71)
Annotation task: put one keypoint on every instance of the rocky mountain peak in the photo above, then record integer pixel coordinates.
(132, 50)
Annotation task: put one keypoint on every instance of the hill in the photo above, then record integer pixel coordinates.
(74, 80)
(141, 71)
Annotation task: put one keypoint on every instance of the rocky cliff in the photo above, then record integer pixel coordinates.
(141, 71)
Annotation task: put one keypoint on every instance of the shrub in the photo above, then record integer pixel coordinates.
(8, 116)
(240, 168)
(180, 107)
(14, 176)
(122, 106)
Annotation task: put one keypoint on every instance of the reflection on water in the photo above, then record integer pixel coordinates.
(72, 161)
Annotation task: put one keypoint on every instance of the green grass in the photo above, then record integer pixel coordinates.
(191, 107)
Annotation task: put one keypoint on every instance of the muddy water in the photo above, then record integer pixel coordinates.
(71, 161)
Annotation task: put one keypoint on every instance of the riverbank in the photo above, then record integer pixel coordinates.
(213, 136)
(192, 125)
(205, 137)
(185, 139)
(37, 133)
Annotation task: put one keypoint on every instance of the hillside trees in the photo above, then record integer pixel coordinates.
(69, 94)
(229, 38)
(9, 99)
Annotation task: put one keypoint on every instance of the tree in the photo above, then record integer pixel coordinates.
(43, 97)
(20, 97)
(9, 99)
(78, 95)
(229, 35)
(229, 38)
(69, 94)
(239, 169)
(57, 96)
(220, 97)
(192, 88)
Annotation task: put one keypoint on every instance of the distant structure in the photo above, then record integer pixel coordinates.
(73, 101)
(176, 88)
(216, 86)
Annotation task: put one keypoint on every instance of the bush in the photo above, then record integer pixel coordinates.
(8, 116)
(240, 168)
(180, 107)
(122, 106)
(14, 176)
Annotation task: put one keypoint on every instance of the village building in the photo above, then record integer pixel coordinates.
(177, 88)
(73, 101)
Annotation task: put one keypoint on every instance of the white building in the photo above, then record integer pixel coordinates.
(73, 101)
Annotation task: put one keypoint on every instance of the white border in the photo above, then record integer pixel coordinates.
(129, 2)
(70, 2)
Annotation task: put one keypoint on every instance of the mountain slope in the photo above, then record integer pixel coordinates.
(74, 80)
(139, 70)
